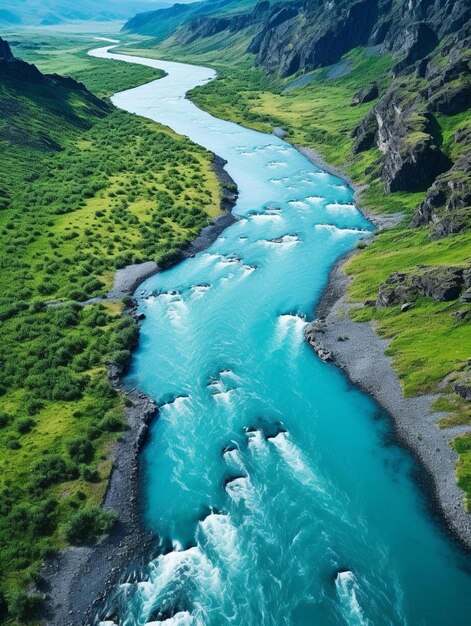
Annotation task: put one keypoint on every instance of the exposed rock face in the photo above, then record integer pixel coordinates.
(447, 200)
(412, 160)
(442, 284)
(316, 37)
(415, 41)
(365, 133)
(5, 52)
(462, 386)
(206, 26)
(369, 93)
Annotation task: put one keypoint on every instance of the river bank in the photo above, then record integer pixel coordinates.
(358, 350)
(76, 581)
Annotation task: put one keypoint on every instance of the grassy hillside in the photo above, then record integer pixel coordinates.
(52, 12)
(85, 189)
(56, 52)
(432, 342)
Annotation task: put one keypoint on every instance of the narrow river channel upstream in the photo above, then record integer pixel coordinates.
(270, 479)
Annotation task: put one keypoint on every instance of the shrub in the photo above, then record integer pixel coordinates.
(88, 524)
(24, 606)
(33, 406)
(112, 422)
(12, 443)
(120, 358)
(80, 450)
(51, 470)
(5, 419)
(89, 474)
(25, 425)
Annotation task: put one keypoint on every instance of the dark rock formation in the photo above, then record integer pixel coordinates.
(447, 203)
(462, 386)
(369, 93)
(311, 334)
(412, 159)
(5, 52)
(365, 133)
(416, 41)
(442, 284)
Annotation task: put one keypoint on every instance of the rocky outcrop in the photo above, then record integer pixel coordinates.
(365, 133)
(415, 42)
(412, 160)
(442, 284)
(313, 335)
(5, 52)
(462, 385)
(205, 26)
(367, 94)
(448, 201)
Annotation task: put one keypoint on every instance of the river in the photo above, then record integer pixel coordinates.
(271, 481)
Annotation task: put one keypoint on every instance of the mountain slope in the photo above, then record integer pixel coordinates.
(52, 12)
(161, 23)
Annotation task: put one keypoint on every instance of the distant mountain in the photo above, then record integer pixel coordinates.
(163, 22)
(51, 12)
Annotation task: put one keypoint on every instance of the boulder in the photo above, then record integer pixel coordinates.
(369, 93)
(447, 203)
(462, 386)
(442, 284)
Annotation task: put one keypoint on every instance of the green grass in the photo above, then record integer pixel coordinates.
(462, 445)
(84, 189)
(66, 54)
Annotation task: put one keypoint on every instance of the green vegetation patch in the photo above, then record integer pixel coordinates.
(85, 189)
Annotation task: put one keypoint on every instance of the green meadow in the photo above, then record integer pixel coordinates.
(84, 190)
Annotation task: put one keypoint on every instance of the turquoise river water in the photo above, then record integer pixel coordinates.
(269, 477)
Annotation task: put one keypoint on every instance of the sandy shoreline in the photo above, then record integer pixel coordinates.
(362, 357)
(77, 580)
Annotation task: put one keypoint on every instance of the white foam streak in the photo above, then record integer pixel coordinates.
(337, 232)
(220, 537)
(239, 489)
(298, 204)
(173, 571)
(338, 207)
(294, 458)
(347, 588)
(234, 460)
(257, 444)
(183, 618)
